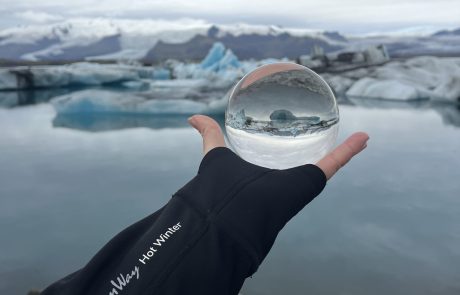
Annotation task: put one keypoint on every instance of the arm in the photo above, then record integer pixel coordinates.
(213, 233)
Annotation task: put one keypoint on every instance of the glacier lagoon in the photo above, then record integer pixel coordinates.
(386, 224)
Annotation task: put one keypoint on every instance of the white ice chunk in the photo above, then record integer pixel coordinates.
(338, 83)
(415, 78)
(388, 89)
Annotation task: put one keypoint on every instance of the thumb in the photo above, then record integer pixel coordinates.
(336, 159)
(209, 130)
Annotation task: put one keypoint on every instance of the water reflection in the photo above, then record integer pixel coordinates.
(99, 122)
(19, 98)
(386, 224)
(449, 112)
(109, 122)
(387, 103)
(11, 99)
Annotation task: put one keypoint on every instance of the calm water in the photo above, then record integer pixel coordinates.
(388, 223)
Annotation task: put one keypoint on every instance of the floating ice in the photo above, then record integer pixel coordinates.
(83, 73)
(103, 101)
(220, 59)
(388, 89)
(282, 115)
(139, 85)
(221, 68)
(338, 83)
(416, 78)
(215, 54)
(228, 61)
(161, 74)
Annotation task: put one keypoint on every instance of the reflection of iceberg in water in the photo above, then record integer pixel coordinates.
(386, 104)
(11, 99)
(449, 112)
(282, 123)
(108, 122)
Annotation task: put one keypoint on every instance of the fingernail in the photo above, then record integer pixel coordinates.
(191, 119)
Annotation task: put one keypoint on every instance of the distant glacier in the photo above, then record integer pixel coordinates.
(156, 41)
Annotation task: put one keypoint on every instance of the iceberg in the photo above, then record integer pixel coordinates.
(221, 68)
(83, 73)
(161, 74)
(416, 78)
(192, 89)
(108, 102)
(229, 60)
(220, 59)
(338, 83)
(215, 54)
(217, 80)
(388, 89)
(139, 85)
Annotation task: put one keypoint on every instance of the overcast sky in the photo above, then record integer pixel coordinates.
(347, 16)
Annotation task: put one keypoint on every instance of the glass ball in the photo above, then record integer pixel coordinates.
(281, 115)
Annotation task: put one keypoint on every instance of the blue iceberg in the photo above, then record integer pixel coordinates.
(220, 59)
(108, 102)
(215, 54)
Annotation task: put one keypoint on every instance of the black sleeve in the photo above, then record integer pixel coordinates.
(212, 234)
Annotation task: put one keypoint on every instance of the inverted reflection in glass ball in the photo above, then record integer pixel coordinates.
(282, 115)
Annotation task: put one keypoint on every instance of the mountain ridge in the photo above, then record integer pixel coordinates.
(157, 40)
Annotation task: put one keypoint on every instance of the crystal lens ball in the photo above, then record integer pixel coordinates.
(281, 115)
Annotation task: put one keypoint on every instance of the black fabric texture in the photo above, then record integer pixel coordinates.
(211, 235)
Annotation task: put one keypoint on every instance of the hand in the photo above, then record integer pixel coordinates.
(330, 164)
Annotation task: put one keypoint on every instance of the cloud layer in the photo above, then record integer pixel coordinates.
(346, 15)
(38, 16)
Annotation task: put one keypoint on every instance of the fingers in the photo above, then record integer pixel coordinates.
(209, 130)
(336, 159)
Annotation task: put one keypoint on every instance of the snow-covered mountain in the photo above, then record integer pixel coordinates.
(189, 39)
(154, 40)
